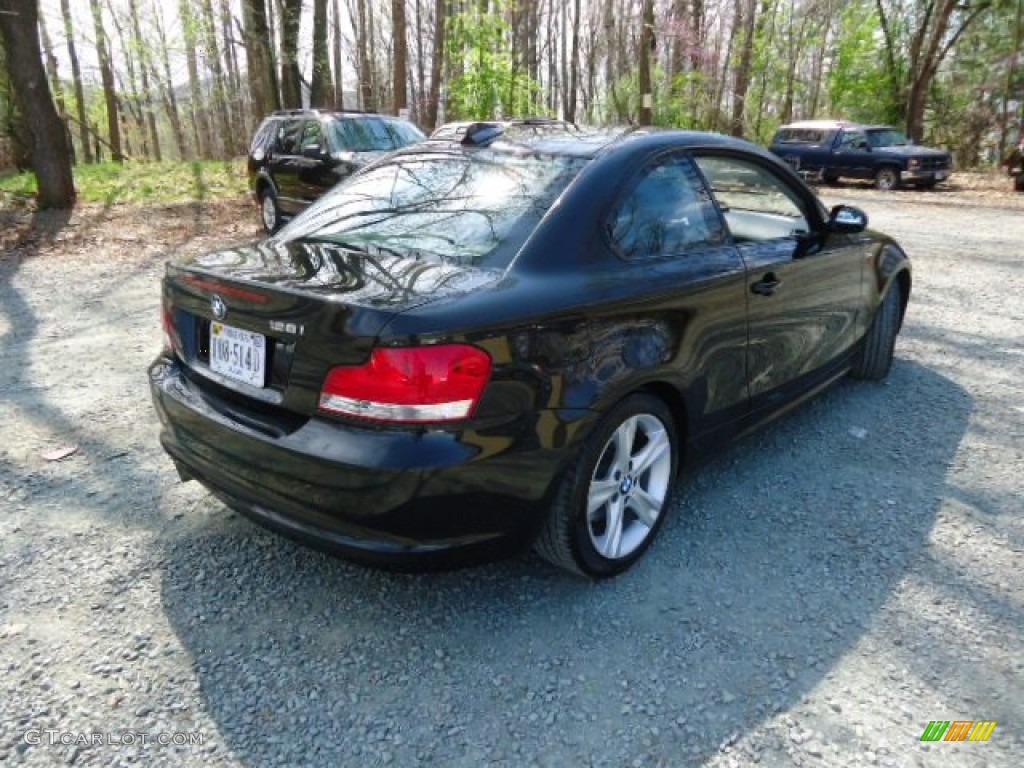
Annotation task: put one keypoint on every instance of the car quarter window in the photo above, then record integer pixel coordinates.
(757, 204)
(667, 212)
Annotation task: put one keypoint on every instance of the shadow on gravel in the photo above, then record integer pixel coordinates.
(101, 467)
(782, 551)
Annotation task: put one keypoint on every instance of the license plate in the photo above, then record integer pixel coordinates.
(237, 354)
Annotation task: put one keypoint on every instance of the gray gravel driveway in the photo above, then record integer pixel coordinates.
(823, 590)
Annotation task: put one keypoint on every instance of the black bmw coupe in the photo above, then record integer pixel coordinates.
(512, 339)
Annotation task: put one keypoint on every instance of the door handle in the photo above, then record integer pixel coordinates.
(766, 285)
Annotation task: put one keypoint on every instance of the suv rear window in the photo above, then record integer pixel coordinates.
(473, 208)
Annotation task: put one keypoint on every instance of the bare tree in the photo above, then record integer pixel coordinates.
(166, 84)
(291, 80)
(144, 65)
(320, 89)
(339, 85)
(109, 88)
(400, 85)
(76, 78)
(647, 42)
(259, 63)
(200, 123)
(436, 63)
(51, 149)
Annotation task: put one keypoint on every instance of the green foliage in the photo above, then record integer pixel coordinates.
(859, 85)
(485, 81)
(166, 182)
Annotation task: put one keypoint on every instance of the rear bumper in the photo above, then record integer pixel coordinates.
(384, 497)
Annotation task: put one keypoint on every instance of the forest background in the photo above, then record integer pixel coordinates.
(114, 81)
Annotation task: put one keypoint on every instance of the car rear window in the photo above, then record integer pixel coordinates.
(473, 208)
(887, 137)
(799, 136)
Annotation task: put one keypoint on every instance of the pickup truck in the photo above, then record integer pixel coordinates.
(834, 149)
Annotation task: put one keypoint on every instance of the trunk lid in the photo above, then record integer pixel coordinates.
(266, 322)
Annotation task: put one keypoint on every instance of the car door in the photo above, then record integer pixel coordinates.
(284, 165)
(682, 293)
(852, 157)
(804, 292)
(316, 167)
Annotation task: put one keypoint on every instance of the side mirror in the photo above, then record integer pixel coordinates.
(314, 151)
(847, 220)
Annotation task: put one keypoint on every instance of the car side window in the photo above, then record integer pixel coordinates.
(288, 137)
(757, 204)
(853, 140)
(313, 134)
(667, 212)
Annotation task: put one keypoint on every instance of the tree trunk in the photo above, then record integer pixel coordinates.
(291, 80)
(574, 64)
(928, 49)
(235, 93)
(421, 74)
(400, 86)
(259, 67)
(646, 44)
(363, 58)
(131, 104)
(76, 76)
(744, 21)
(436, 64)
(339, 83)
(144, 65)
(51, 150)
(167, 86)
(107, 77)
(320, 89)
(200, 124)
(52, 69)
(213, 63)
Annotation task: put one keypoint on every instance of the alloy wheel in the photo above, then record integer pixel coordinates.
(629, 486)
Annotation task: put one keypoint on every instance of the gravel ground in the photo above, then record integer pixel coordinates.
(823, 590)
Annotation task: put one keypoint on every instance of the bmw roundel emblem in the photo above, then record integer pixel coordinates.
(218, 307)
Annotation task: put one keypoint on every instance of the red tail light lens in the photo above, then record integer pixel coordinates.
(170, 334)
(410, 384)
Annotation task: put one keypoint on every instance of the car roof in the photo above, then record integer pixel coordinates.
(587, 144)
(346, 114)
(825, 125)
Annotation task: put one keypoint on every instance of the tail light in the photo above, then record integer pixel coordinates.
(170, 334)
(410, 384)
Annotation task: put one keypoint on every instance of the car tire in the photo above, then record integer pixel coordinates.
(614, 498)
(1018, 183)
(829, 177)
(887, 177)
(874, 359)
(270, 211)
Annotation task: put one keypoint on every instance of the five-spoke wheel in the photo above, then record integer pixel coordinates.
(614, 498)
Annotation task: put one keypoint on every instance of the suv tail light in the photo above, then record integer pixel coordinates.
(410, 384)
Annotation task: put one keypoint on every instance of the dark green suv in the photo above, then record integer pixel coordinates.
(297, 155)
